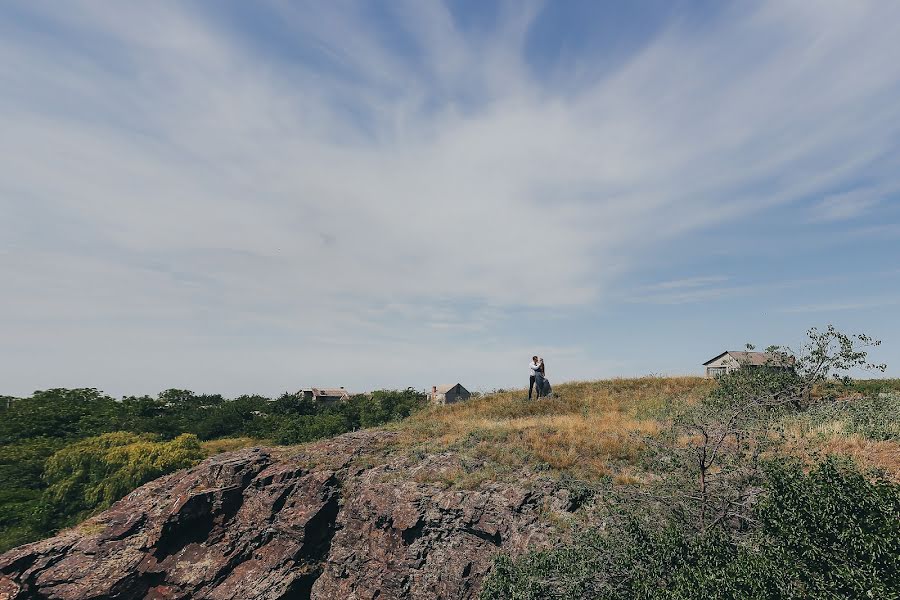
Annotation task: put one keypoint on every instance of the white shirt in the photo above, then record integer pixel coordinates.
(534, 367)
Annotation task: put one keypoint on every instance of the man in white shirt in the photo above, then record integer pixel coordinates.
(534, 367)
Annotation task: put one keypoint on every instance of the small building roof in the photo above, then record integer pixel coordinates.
(758, 359)
(443, 389)
(327, 391)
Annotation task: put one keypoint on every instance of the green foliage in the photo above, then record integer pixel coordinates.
(875, 386)
(67, 453)
(298, 421)
(95, 472)
(873, 417)
(830, 534)
(833, 533)
(298, 429)
(60, 413)
(174, 412)
(21, 468)
(232, 418)
(753, 382)
(22, 464)
(384, 406)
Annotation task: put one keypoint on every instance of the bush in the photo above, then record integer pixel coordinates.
(873, 417)
(91, 474)
(830, 534)
(307, 428)
(833, 533)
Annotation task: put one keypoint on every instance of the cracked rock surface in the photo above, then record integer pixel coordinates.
(259, 523)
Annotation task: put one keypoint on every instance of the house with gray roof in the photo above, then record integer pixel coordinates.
(732, 360)
(448, 393)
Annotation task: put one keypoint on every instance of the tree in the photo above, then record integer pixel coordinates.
(717, 445)
(21, 487)
(233, 417)
(91, 474)
(60, 413)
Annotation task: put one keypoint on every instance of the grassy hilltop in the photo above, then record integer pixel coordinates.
(599, 429)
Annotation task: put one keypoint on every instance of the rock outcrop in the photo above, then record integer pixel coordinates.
(261, 523)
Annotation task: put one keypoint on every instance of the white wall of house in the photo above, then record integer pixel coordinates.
(722, 365)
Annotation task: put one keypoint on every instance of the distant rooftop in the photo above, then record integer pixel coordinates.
(756, 358)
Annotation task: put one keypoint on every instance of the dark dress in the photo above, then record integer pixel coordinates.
(539, 381)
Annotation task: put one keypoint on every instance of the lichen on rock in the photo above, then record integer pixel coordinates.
(262, 524)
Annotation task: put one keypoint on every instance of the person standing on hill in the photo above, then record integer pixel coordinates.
(535, 368)
(540, 379)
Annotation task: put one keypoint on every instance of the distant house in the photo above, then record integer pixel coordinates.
(449, 394)
(732, 360)
(325, 395)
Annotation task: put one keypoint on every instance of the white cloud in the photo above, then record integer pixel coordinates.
(848, 205)
(854, 304)
(160, 173)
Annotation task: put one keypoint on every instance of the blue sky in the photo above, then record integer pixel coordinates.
(255, 197)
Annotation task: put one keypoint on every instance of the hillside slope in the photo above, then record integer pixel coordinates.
(415, 510)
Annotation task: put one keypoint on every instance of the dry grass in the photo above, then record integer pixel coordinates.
(884, 455)
(830, 439)
(592, 429)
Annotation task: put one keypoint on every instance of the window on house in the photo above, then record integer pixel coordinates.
(715, 371)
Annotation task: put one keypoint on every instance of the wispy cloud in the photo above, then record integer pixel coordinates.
(848, 205)
(689, 282)
(847, 305)
(190, 177)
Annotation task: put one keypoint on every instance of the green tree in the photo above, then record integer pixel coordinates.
(21, 487)
(383, 406)
(234, 417)
(60, 413)
(307, 428)
(712, 455)
(91, 474)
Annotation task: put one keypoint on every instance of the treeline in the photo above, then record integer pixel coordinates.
(67, 453)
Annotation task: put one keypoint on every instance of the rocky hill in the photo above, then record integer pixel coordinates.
(415, 510)
(268, 523)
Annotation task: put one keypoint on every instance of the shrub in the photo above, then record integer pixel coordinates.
(306, 428)
(833, 533)
(91, 474)
(873, 417)
(830, 534)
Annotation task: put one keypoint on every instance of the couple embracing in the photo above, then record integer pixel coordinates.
(538, 380)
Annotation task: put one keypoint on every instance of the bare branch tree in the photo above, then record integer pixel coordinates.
(717, 446)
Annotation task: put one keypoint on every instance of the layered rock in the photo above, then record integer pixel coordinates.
(261, 523)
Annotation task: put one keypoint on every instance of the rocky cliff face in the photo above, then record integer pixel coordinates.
(261, 523)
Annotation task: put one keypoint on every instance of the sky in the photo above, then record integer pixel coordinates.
(241, 197)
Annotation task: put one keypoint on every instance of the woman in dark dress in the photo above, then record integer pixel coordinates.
(539, 379)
